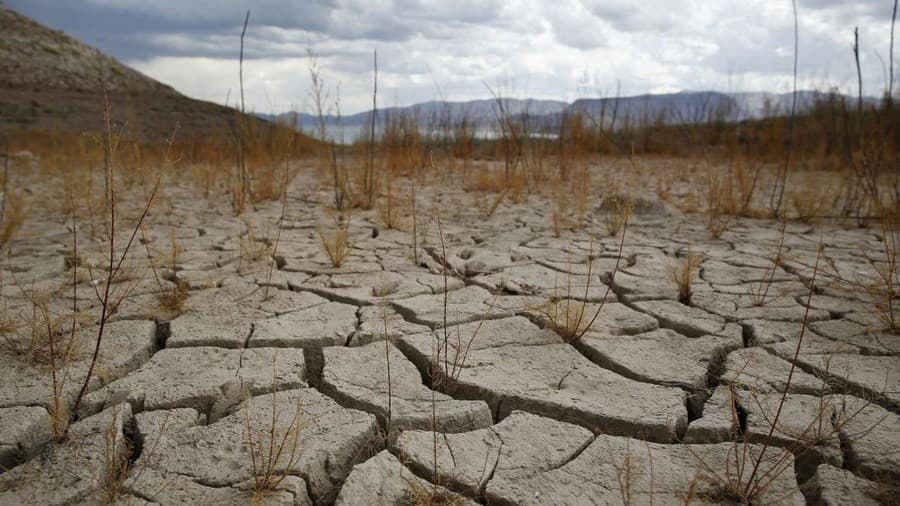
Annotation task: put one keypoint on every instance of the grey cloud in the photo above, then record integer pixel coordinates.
(644, 17)
(223, 14)
(459, 11)
(875, 8)
(654, 45)
(575, 26)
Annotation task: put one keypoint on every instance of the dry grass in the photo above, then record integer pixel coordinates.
(717, 195)
(567, 317)
(12, 217)
(388, 206)
(425, 495)
(742, 183)
(335, 244)
(559, 211)
(618, 210)
(171, 300)
(570, 317)
(683, 273)
(885, 287)
(489, 210)
(41, 336)
(255, 246)
(759, 293)
(450, 352)
(273, 450)
(116, 464)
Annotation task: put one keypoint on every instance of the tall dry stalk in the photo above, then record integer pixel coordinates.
(415, 230)
(244, 177)
(387, 360)
(269, 449)
(434, 386)
(12, 212)
(284, 184)
(114, 264)
(759, 294)
(776, 199)
(753, 487)
(859, 89)
(508, 136)
(890, 90)
(370, 173)
(5, 177)
(320, 99)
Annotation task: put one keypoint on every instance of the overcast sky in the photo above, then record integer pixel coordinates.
(429, 49)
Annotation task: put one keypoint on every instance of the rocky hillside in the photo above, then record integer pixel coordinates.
(51, 81)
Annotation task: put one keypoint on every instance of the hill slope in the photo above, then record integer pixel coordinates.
(51, 81)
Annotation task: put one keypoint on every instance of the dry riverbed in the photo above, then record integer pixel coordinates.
(481, 327)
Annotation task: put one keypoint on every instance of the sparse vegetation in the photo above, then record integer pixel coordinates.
(171, 300)
(618, 210)
(759, 293)
(683, 273)
(829, 165)
(884, 287)
(274, 449)
(335, 244)
(116, 464)
(12, 207)
(115, 260)
(569, 315)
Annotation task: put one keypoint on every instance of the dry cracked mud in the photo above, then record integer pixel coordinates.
(490, 361)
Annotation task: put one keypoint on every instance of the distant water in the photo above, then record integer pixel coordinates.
(345, 135)
(352, 133)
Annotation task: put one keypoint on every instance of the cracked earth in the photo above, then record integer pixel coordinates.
(441, 368)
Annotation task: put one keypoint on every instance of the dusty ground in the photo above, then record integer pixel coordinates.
(659, 400)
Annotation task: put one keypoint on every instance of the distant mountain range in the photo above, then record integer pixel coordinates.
(475, 112)
(671, 108)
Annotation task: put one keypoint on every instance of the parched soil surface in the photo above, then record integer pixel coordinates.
(555, 370)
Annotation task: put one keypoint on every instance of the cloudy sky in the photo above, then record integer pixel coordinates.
(452, 49)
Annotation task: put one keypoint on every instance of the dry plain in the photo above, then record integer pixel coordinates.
(488, 348)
